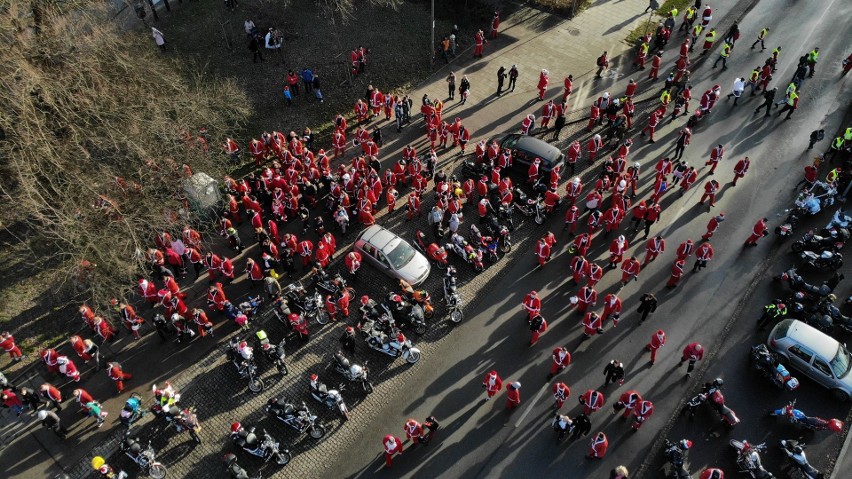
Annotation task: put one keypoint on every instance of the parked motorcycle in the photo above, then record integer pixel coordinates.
(835, 240)
(529, 206)
(311, 305)
(266, 448)
(810, 292)
(235, 470)
(332, 284)
(184, 420)
(785, 229)
(796, 452)
(748, 459)
(352, 372)
(470, 254)
(676, 456)
(475, 171)
(132, 410)
(393, 345)
(839, 219)
(767, 363)
(452, 297)
(243, 359)
(331, 398)
(144, 456)
(813, 423)
(250, 308)
(164, 399)
(432, 251)
(713, 392)
(823, 260)
(299, 418)
(404, 313)
(419, 296)
(273, 353)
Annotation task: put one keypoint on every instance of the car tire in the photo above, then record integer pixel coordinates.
(840, 395)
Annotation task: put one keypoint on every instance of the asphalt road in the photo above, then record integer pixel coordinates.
(480, 439)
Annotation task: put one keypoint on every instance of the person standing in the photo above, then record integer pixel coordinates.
(537, 327)
(703, 254)
(682, 142)
(51, 421)
(393, 446)
(451, 87)
(598, 447)
(479, 42)
(658, 340)
(543, 80)
(513, 395)
(12, 401)
(676, 273)
(495, 25)
(159, 39)
(561, 359)
(492, 384)
(561, 392)
(693, 352)
(647, 305)
(7, 343)
(761, 229)
(602, 63)
(513, 77)
(614, 372)
(501, 77)
(254, 47)
(52, 394)
(812, 58)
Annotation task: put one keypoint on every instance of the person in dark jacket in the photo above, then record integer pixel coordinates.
(648, 305)
(582, 426)
(254, 47)
(614, 372)
(51, 421)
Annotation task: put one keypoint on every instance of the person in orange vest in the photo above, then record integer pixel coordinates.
(658, 339)
(612, 306)
(393, 446)
(592, 325)
(542, 252)
(599, 446)
(592, 401)
(703, 254)
(710, 190)
(760, 230)
(561, 360)
(641, 413)
(653, 248)
(492, 384)
(537, 326)
(413, 431)
(115, 373)
(677, 273)
(7, 343)
(532, 304)
(513, 395)
(49, 392)
(628, 400)
(693, 352)
(740, 170)
(630, 269)
(561, 392)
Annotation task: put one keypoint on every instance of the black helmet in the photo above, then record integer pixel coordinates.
(718, 382)
(798, 449)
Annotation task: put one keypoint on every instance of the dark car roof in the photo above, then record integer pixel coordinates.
(533, 146)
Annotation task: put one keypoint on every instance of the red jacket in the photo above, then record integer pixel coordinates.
(693, 351)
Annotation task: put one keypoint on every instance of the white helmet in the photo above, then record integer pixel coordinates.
(42, 415)
(516, 385)
(621, 239)
(575, 180)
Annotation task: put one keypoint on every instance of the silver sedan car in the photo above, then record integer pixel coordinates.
(392, 255)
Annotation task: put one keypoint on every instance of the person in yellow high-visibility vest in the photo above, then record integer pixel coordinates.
(696, 32)
(791, 106)
(836, 146)
(832, 175)
(813, 56)
(725, 53)
(760, 38)
(709, 38)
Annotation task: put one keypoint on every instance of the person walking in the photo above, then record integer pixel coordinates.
(12, 401)
(7, 343)
(614, 372)
(537, 327)
(791, 104)
(561, 359)
(159, 39)
(393, 446)
(52, 394)
(501, 77)
(658, 340)
(693, 352)
(561, 392)
(592, 401)
(513, 395)
(492, 384)
(737, 89)
(513, 77)
(812, 58)
(761, 36)
(451, 87)
(768, 100)
(115, 372)
(95, 410)
(51, 421)
(602, 63)
(713, 225)
(703, 254)
(716, 155)
(647, 305)
(710, 190)
(723, 56)
(29, 398)
(761, 229)
(598, 448)
(740, 170)
(682, 142)
(676, 273)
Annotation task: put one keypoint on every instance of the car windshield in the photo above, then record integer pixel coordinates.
(510, 142)
(841, 362)
(401, 255)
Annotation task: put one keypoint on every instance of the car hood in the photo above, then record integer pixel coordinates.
(417, 269)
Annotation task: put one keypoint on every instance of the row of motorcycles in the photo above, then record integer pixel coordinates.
(819, 249)
(530, 206)
(813, 304)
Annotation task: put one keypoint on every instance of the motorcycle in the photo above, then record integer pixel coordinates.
(352, 372)
(132, 410)
(500, 233)
(675, 454)
(500, 218)
(813, 423)
(796, 282)
(796, 452)
(144, 457)
(466, 251)
(404, 313)
(274, 353)
(452, 297)
(393, 345)
(311, 305)
(839, 219)
(164, 399)
(299, 418)
(419, 296)
(234, 469)
(267, 448)
(432, 251)
(184, 420)
(767, 363)
(331, 398)
(332, 284)
(475, 171)
(245, 364)
(563, 425)
(529, 207)
(713, 392)
(823, 260)
(834, 239)
(748, 459)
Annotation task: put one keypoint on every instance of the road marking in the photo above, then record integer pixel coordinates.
(532, 403)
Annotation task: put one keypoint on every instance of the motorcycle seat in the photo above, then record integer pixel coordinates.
(341, 360)
(251, 439)
(288, 409)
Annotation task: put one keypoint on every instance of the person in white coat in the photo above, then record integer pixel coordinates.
(158, 38)
(737, 89)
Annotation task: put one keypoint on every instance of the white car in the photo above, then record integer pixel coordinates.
(816, 354)
(393, 255)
